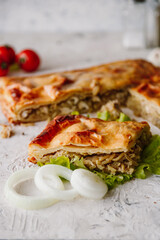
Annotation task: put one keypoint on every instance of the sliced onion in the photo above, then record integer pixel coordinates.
(88, 184)
(54, 170)
(22, 201)
(45, 180)
(83, 182)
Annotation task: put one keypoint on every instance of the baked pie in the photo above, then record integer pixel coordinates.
(108, 146)
(37, 98)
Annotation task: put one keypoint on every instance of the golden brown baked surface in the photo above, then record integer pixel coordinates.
(87, 135)
(21, 95)
(150, 90)
(144, 100)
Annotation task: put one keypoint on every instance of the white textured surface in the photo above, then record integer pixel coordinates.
(132, 211)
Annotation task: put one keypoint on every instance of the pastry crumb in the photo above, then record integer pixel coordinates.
(6, 131)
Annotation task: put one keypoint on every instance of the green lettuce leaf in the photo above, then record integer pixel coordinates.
(142, 170)
(150, 159)
(103, 115)
(62, 160)
(75, 113)
(114, 180)
(40, 164)
(77, 162)
(123, 118)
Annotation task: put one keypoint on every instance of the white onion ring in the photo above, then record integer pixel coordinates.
(22, 201)
(88, 184)
(51, 190)
(43, 185)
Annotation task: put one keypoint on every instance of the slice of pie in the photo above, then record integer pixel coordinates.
(108, 146)
(144, 100)
(37, 98)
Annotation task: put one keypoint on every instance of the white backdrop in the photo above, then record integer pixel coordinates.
(61, 15)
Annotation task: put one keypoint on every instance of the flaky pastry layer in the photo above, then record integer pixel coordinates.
(86, 136)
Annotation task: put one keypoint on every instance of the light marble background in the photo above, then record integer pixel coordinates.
(61, 15)
(129, 212)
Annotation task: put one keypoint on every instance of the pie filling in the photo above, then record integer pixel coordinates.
(86, 104)
(113, 163)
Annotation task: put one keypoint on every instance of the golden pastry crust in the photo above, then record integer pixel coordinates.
(86, 136)
(144, 100)
(21, 95)
(150, 90)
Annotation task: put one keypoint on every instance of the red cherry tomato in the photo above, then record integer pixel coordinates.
(7, 53)
(3, 68)
(28, 60)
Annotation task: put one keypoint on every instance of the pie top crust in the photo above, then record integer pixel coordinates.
(87, 135)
